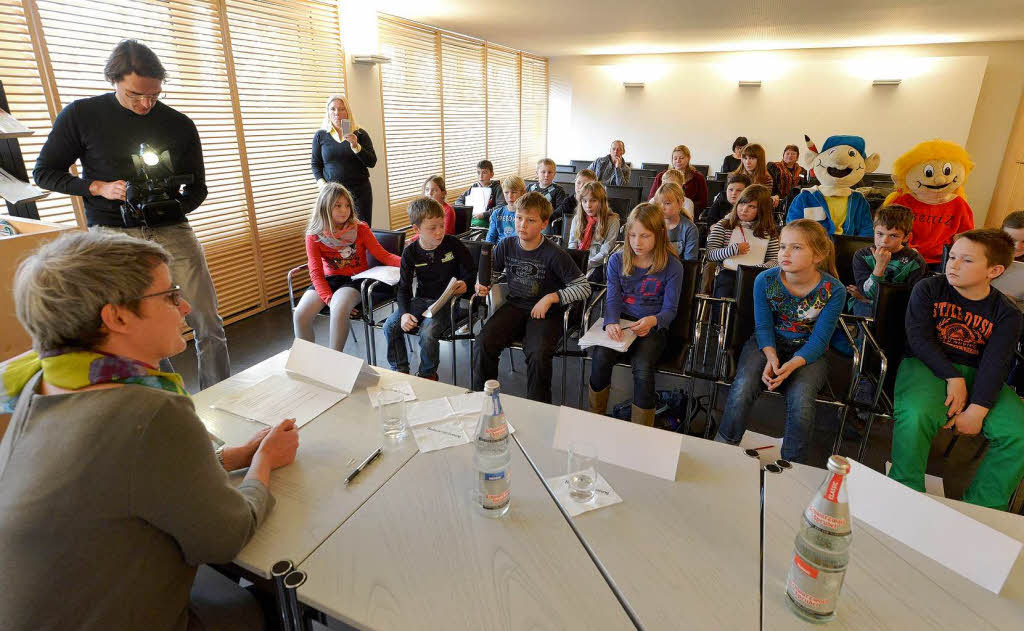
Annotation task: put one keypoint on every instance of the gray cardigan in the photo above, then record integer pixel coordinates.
(599, 250)
(109, 499)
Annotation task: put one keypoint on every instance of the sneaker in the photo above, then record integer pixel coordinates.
(462, 330)
(432, 377)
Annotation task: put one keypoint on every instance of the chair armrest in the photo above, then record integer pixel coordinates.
(291, 288)
(858, 357)
(595, 299)
(883, 361)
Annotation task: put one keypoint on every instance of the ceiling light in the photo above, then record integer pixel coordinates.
(633, 84)
(887, 82)
(750, 84)
(371, 59)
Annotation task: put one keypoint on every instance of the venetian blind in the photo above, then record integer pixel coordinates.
(288, 60)
(20, 73)
(465, 113)
(533, 126)
(411, 92)
(186, 35)
(503, 111)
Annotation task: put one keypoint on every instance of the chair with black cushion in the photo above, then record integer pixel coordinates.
(945, 257)
(636, 174)
(563, 178)
(703, 169)
(569, 187)
(633, 194)
(463, 214)
(621, 207)
(376, 294)
(581, 164)
(565, 168)
(714, 188)
(325, 311)
(645, 185)
(846, 246)
(657, 167)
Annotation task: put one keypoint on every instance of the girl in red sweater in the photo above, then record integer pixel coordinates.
(336, 245)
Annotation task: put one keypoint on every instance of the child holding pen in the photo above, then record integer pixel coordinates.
(750, 217)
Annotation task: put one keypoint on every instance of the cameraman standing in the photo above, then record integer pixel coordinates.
(104, 132)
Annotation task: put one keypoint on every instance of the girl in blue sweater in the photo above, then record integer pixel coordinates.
(796, 309)
(644, 281)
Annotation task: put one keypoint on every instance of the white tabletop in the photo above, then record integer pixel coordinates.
(417, 555)
(685, 554)
(312, 499)
(888, 585)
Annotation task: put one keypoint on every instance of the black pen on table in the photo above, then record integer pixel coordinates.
(362, 465)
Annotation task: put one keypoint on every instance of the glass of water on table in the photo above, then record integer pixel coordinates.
(391, 408)
(582, 470)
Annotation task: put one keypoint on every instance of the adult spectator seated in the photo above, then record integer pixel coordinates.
(112, 494)
(786, 173)
(695, 185)
(732, 161)
(612, 169)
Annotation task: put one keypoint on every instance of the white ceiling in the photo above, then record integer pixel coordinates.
(590, 27)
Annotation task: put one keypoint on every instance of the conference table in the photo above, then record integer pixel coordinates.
(402, 547)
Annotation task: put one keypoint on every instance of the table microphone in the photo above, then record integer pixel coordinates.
(484, 269)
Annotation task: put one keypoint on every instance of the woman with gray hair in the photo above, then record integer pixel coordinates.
(111, 493)
(343, 153)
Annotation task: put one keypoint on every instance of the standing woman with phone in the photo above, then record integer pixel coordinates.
(343, 153)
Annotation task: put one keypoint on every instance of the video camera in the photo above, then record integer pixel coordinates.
(151, 195)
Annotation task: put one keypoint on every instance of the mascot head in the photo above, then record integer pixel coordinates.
(841, 163)
(933, 172)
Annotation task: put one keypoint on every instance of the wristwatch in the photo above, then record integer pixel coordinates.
(220, 455)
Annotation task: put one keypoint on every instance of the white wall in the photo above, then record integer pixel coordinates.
(964, 93)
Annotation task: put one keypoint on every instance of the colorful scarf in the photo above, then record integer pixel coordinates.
(73, 369)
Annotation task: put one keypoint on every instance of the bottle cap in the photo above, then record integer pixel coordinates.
(838, 464)
(491, 386)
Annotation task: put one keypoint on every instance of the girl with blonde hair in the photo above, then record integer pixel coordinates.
(595, 228)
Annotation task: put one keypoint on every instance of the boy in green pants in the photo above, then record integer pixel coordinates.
(960, 336)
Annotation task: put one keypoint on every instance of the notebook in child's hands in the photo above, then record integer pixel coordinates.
(597, 336)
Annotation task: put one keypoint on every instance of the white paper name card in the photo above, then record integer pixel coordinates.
(964, 545)
(329, 367)
(644, 449)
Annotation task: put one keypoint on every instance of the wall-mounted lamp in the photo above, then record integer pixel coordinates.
(750, 84)
(633, 84)
(887, 82)
(371, 59)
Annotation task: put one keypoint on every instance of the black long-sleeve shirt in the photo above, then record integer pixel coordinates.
(944, 328)
(335, 161)
(103, 134)
(432, 270)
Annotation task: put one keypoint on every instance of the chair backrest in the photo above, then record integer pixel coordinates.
(565, 176)
(846, 247)
(631, 193)
(581, 164)
(462, 216)
(391, 240)
(714, 188)
(657, 167)
(567, 228)
(704, 169)
(645, 185)
(703, 230)
(569, 187)
(474, 248)
(579, 257)
(680, 332)
(565, 168)
(890, 329)
(622, 208)
(636, 174)
(945, 257)
(741, 325)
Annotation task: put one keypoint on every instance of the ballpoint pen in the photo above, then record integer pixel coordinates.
(362, 465)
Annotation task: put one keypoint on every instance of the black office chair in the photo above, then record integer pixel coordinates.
(636, 174)
(325, 311)
(714, 188)
(846, 246)
(376, 294)
(565, 168)
(463, 215)
(563, 177)
(645, 186)
(581, 164)
(657, 167)
(703, 169)
(631, 193)
(621, 207)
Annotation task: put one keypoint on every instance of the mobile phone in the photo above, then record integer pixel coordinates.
(346, 127)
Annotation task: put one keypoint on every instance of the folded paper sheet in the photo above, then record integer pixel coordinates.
(278, 397)
(329, 367)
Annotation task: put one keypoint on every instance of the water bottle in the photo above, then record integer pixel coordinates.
(822, 548)
(491, 458)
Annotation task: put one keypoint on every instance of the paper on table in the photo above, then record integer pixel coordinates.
(329, 367)
(14, 190)
(423, 412)
(469, 403)
(385, 273)
(440, 435)
(442, 300)
(278, 397)
(968, 547)
(597, 336)
(479, 197)
(465, 407)
(403, 387)
(604, 495)
(644, 449)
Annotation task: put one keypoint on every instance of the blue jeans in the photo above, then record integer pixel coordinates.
(430, 331)
(801, 387)
(643, 355)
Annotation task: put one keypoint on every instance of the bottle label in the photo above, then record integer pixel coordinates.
(806, 569)
(497, 475)
(827, 522)
(832, 490)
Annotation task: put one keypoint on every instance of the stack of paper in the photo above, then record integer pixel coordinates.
(14, 190)
(446, 422)
(479, 197)
(279, 397)
(597, 336)
(384, 273)
(445, 297)
(11, 127)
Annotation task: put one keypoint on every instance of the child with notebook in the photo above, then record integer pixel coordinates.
(485, 175)
(682, 232)
(542, 279)
(961, 333)
(431, 261)
(644, 282)
(732, 241)
(796, 309)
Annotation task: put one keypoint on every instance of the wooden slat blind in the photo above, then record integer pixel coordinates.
(465, 114)
(288, 59)
(20, 73)
(411, 90)
(503, 111)
(533, 126)
(187, 37)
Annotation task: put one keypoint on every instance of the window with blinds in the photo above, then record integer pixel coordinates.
(20, 73)
(411, 90)
(533, 126)
(288, 60)
(465, 110)
(503, 111)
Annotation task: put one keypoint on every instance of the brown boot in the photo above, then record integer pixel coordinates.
(599, 400)
(642, 416)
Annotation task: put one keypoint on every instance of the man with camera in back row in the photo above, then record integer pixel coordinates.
(136, 153)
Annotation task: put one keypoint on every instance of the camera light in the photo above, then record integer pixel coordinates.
(148, 155)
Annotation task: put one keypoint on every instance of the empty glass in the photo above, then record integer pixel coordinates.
(582, 470)
(392, 414)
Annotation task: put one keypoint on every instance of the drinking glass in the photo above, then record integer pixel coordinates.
(582, 470)
(391, 408)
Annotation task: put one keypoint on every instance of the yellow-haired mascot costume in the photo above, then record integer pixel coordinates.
(929, 181)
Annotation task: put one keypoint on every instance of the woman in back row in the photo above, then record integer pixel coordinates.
(695, 186)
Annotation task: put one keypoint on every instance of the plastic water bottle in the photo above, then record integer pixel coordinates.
(494, 488)
(822, 548)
